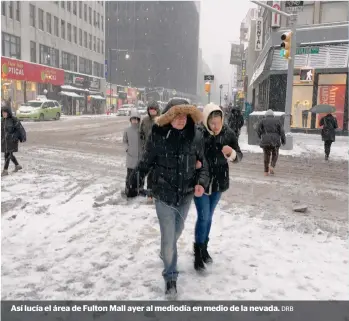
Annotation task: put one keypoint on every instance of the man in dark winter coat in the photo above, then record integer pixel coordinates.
(328, 132)
(172, 151)
(145, 131)
(236, 121)
(271, 132)
(11, 132)
(221, 146)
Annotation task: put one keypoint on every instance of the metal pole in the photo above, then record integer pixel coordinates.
(220, 96)
(264, 5)
(110, 86)
(289, 89)
(209, 96)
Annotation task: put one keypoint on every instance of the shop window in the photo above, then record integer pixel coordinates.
(3, 8)
(80, 9)
(75, 7)
(302, 101)
(85, 12)
(98, 45)
(18, 10)
(10, 9)
(32, 15)
(331, 91)
(48, 23)
(98, 20)
(80, 37)
(75, 34)
(41, 19)
(102, 46)
(62, 29)
(11, 46)
(69, 32)
(94, 18)
(56, 26)
(85, 66)
(69, 6)
(333, 11)
(49, 56)
(94, 43)
(63, 4)
(33, 51)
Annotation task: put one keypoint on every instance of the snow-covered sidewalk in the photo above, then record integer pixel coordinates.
(306, 145)
(70, 236)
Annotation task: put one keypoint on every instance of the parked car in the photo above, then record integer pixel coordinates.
(125, 110)
(142, 110)
(39, 109)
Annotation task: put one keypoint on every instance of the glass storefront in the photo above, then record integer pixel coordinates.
(302, 101)
(331, 91)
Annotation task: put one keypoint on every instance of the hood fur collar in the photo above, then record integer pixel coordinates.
(191, 111)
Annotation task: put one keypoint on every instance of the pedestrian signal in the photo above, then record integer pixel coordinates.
(286, 45)
(306, 75)
(207, 87)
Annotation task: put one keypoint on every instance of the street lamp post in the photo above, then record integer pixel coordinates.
(127, 56)
(220, 94)
(290, 72)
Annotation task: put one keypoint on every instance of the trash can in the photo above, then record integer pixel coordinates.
(253, 121)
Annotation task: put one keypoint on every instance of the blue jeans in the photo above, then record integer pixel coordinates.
(205, 206)
(171, 219)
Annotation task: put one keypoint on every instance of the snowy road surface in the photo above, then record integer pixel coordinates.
(66, 233)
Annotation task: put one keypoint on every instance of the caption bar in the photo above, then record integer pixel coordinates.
(151, 308)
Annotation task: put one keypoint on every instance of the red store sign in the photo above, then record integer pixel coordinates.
(21, 70)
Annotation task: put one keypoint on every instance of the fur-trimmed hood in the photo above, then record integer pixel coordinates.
(8, 110)
(208, 109)
(176, 107)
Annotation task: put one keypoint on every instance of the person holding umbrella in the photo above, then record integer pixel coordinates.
(329, 125)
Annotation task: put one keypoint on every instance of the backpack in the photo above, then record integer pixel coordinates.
(22, 135)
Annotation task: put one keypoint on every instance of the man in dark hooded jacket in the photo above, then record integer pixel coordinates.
(328, 132)
(172, 151)
(145, 131)
(236, 121)
(12, 131)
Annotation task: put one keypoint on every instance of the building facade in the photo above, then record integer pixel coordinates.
(322, 42)
(153, 44)
(57, 37)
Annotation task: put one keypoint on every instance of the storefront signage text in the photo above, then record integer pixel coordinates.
(259, 34)
(21, 70)
(307, 50)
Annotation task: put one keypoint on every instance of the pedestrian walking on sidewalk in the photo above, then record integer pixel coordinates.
(236, 121)
(271, 132)
(172, 151)
(328, 132)
(221, 147)
(145, 131)
(12, 132)
(133, 144)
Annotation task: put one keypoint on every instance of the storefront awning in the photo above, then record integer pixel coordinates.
(68, 87)
(259, 70)
(97, 97)
(69, 94)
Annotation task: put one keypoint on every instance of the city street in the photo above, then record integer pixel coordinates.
(67, 233)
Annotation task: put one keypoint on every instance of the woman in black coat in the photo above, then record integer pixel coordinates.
(171, 152)
(11, 129)
(221, 146)
(328, 132)
(271, 133)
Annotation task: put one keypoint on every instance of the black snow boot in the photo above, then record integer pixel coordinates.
(171, 288)
(198, 260)
(205, 255)
(326, 157)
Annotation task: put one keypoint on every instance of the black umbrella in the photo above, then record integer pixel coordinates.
(323, 109)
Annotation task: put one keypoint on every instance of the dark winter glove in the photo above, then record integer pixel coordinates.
(130, 192)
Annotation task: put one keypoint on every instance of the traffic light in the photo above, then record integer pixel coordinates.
(207, 87)
(286, 45)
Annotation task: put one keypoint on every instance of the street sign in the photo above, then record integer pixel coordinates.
(275, 17)
(208, 77)
(259, 35)
(243, 68)
(306, 75)
(235, 54)
(307, 50)
(294, 6)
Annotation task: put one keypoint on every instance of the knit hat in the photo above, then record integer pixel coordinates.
(269, 112)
